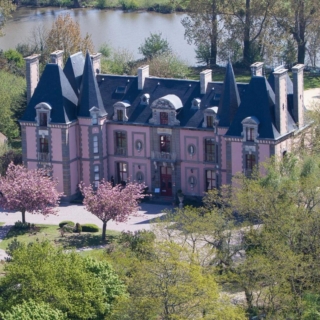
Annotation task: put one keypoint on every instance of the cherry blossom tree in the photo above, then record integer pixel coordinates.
(112, 203)
(28, 190)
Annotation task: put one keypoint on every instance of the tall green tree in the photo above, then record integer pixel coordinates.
(7, 7)
(66, 281)
(282, 254)
(248, 19)
(296, 17)
(173, 285)
(202, 25)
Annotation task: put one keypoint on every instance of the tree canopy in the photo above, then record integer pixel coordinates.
(81, 288)
(28, 190)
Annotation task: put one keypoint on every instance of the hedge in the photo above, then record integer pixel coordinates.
(89, 227)
(63, 223)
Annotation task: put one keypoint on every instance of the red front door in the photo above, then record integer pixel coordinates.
(166, 181)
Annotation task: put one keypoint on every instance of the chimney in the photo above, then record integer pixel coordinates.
(96, 62)
(298, 99)
(205, 78)
(143, 73)
(32, 74)
(281, 109)
(257, 69)
(57, 58)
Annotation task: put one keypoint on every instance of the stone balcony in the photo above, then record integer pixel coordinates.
(163, 156)
(44, 156)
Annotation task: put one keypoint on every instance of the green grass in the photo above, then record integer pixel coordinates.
(51, 232)
(311, 82)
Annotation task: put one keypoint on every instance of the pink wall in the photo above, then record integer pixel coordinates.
(134, 133)
(74, 176)
(86, 172)
(31, 142)
(73, 145)
(58, 174)
(199, 170)
(84, 141)
(236, 152)
(56, 144)
(197, 138)
(133, 168)
(264, 155)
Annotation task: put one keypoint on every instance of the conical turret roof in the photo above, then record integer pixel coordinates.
(89, 91)
(230, 99)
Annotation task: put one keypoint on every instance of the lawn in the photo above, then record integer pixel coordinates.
(52, 233)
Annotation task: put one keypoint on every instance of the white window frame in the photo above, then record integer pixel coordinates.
(94, 113)
(96, 172)
(43, 107)
(95, 144)
(121, 106)
(250, 123)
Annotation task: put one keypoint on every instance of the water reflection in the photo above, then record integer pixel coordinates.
(119, 29)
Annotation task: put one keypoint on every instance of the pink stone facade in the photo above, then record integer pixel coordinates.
(171, 155)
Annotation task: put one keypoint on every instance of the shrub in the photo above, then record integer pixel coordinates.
(63, 223)
(31, 310)
(154, 45)
(21, 226)
(78, 228)
(129, 4)
(90, 227)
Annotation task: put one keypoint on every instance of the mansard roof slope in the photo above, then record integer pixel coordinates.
(54, 89)
(90, 95)
(73, 70)
(230, 98)
(258, 101)
(186, 90)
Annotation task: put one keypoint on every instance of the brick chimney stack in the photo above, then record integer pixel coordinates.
(32, 74)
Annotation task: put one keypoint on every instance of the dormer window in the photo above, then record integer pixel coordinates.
(250, 134)
(164, 118)
(120, 115)
(144, 101)
(43, 119)
(120, 111)
(94, 113)
(210, 119)
(196, 103)
(43, 114)
(165, 109)
(250, 129)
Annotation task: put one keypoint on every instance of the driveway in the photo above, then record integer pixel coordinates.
(77, 213)
(311, 97)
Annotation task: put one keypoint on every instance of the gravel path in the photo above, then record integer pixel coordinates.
(3, 232)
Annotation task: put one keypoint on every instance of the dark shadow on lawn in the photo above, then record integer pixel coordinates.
(15, 232)
(153, 220)
(83, 240)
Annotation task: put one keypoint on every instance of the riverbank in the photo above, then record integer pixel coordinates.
(158, 6)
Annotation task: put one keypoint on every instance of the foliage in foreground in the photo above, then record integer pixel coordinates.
(167, 282)
(82, 288)
(30, 310)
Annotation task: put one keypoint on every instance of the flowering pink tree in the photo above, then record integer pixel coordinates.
(28, 190)
(112, 203)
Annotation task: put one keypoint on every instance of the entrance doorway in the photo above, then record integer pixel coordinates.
(166, 181)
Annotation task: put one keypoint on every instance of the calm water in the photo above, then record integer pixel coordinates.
(119, 29)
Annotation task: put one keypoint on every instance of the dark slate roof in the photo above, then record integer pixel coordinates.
(186, 90)
(73, 70)
(89, 91)
(230, 99)
(54, 89)
(258, 101)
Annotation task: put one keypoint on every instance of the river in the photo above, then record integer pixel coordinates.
(117, 28)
